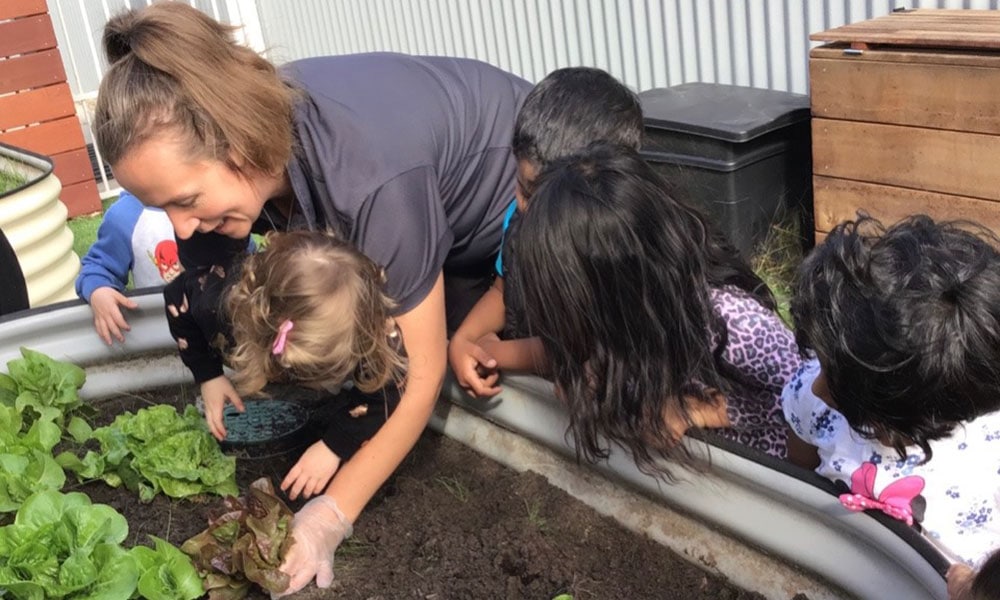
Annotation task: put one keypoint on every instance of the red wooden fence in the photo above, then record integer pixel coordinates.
(36, 104)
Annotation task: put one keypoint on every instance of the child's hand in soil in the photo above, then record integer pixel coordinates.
(475, 370)
(312, 472)
(216, 393)
(106, 303)
(318, 528)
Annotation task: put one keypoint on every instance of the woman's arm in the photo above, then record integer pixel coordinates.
(425, 339)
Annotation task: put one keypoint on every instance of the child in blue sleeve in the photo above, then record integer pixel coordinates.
(132, 239)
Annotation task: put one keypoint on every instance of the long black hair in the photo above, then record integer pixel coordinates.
(614, 276)
(905, 322)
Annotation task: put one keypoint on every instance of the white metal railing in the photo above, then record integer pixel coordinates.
(645, 43)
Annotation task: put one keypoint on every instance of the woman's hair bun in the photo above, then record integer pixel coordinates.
(118, 35)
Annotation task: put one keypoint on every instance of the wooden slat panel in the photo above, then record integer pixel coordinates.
(22, 36)
(49, 138)
(12, 9)
(949, 162)
(923, 28)
(910, 55)
(31, 71)
(73, 166)
(81, 198)
(951, 97)
(838, 200)
(35, 106)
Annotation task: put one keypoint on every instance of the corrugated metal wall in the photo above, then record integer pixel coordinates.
(645, 43)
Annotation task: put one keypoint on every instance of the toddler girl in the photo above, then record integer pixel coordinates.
(901, 403)
(310, 309)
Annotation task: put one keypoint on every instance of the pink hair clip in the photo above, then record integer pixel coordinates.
(279, 341)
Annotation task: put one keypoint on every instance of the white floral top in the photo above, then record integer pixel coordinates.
(960, 485)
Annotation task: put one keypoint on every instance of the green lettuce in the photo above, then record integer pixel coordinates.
(246, 544)
(166, 573)
(157, 450)
(63, 546)
(26, 462)
(41, 387)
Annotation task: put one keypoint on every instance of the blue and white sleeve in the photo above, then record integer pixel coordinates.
(109, 261)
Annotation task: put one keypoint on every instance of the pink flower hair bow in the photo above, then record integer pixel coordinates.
(278, 347)
(895, 500)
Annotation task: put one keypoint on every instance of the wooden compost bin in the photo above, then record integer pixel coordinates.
(906, 118)
(36, 104)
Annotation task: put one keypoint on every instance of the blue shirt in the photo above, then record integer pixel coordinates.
(511, 211)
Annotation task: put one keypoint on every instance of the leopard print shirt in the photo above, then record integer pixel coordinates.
(762, 357)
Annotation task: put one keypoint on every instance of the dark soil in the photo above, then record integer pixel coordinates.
(449, 524)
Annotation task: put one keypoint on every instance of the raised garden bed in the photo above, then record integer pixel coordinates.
(721, 519)
(449, 524)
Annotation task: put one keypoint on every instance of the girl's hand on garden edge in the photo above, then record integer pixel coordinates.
(318, 528)
(216, 393)
(959, 580)
(475, 370)
(312, 472)
(109, 322)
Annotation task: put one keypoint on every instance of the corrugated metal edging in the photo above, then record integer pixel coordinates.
(645, 43)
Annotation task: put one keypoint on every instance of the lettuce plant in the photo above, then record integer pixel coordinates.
(166, 573)
(41, 387)
(244, 545)
(63, 546)
(156, 450)
(26, 463)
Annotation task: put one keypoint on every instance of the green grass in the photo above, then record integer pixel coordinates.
(535, 517)
(455, 487)
(85, 228)
(9, 181)
(776, 260)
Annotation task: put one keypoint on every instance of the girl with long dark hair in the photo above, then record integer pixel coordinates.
(651, 323)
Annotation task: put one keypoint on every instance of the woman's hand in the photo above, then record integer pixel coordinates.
(318, 528)
(312, 472)
(216, 393)
(109, 322)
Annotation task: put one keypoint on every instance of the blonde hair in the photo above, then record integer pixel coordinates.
(333, 295)
(172, 67)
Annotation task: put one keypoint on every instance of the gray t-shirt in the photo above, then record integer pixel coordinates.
(407, 157)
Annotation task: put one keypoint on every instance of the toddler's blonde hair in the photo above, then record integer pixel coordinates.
(333, 294)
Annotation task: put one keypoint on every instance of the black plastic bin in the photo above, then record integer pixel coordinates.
(741, 154)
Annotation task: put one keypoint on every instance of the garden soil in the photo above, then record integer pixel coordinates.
(449, 523)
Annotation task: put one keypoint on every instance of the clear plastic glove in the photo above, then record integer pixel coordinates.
(106, 303)
(475, 369)
(318, 528)
(216, 393)
(312, 472)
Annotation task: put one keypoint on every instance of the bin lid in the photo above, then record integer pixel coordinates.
(725, 112)
(922, 28)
